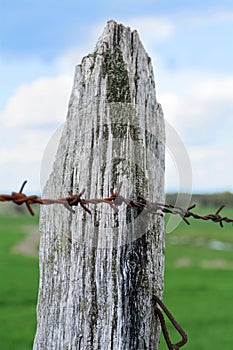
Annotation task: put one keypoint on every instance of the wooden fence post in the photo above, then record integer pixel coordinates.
(99, 272)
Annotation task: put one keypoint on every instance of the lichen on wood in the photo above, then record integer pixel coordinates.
(117, 77)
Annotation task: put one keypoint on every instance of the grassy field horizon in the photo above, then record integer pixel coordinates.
(198, 282)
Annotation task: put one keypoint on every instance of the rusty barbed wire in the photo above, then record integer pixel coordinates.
(114, 200)
(179, 329)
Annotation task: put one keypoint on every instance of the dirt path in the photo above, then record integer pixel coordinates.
(29, 244)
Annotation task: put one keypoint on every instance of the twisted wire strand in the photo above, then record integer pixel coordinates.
(114, 200)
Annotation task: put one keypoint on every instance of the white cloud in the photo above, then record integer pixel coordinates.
(221, 88)
(171, 104)
(208, 103)
(44, 101)
(152, 29)
(72, 57)
(212, 167)
(201, 110)
(22, 160)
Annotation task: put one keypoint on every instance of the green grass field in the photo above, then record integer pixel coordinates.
(18, 285)
(198, 284)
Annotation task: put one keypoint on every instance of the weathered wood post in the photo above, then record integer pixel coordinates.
(98, 272)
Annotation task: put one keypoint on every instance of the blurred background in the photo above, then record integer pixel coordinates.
(190, 43)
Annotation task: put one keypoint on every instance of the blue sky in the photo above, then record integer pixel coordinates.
(190, 43)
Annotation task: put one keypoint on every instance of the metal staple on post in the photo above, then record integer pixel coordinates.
(179, 329)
